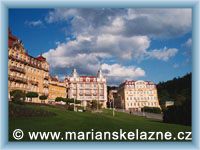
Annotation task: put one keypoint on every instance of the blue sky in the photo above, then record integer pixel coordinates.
(128, 44)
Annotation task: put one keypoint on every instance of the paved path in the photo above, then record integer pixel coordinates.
(145, 114)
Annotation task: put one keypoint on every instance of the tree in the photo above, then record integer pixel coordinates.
(42, 97)
(77, 102)
(32, 95)
(59, 99)
(69, 100)
(94, 104)
(17, 96)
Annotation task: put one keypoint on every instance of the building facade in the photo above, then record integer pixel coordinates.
(56, 88)
(30, 74)
(135, 95)
(25, 72)
(87, 88)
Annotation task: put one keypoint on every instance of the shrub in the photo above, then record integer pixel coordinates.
(71, 108)
(32, 95)
(178, 114)
(58, 99)
(152, 110)
(17, 96)
(69, 100)
(42, 97)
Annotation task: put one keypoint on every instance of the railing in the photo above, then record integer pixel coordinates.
(17, 79)
(46, 85)
(46, 78)
(34, 82)
(17, 69)
(30, 63)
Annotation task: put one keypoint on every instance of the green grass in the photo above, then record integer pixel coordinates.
(85, 121)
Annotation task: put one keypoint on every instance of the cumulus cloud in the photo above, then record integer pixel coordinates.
(129, 22)
(36, 23)
(117, 73)
(163, 54)
(115, 35)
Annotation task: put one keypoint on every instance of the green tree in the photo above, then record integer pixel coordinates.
(69, 100)
(32, 95)
(17, 96)
(77, 102)
(59, 99)
(43, 97)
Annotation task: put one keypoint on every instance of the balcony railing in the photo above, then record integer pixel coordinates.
(46, 78)
(17, 69)
(45, 85)
(30, 63)
(34, 82)
(18, 79)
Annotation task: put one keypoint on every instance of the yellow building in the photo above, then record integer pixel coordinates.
(135, 95)
(25, 72)
(56, 88)
(31, 74)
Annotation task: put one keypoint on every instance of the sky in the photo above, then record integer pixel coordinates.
(127, 44)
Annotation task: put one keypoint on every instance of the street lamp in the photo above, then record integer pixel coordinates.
(74, 104)
(113, 107)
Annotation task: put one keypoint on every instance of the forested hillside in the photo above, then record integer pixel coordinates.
(178, 90)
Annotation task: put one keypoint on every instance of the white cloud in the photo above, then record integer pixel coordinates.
(130, 22)
(35, 23)
(116, 73)
(115, 34)
(163, 54)
(188, 43)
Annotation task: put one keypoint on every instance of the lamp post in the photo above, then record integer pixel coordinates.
(74, 104)
(113, 107)
(98, 105)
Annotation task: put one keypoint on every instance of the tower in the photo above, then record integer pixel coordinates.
(74, 73)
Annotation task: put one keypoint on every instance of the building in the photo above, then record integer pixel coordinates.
(25, 72)
(87, 88)
(56, 88)
(169, 103)
(135, 95)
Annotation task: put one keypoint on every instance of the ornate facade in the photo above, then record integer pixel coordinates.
(87, 88)
(28, 73)
(135, 95)
(56, 88)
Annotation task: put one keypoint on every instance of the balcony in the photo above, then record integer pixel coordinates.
(17, 79)
(30, 63)
(45, 85)
(17, 69)
(46, 78)
(34, 82)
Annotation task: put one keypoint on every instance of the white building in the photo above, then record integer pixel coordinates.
(87, 88)
(135, 95)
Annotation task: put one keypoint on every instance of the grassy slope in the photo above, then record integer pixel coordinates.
(77, 121)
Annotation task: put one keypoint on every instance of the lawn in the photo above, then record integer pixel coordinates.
(85, 121)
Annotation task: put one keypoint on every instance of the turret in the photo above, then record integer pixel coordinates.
(100, 74)
(74, 73)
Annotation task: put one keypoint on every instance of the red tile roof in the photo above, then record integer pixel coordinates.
(41, 58)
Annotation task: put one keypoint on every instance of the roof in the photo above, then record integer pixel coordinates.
(87, 77)
(13, 39)
(133, 82)
(41, 58)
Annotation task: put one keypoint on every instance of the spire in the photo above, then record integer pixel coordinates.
(100, 74)
(74, 73)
